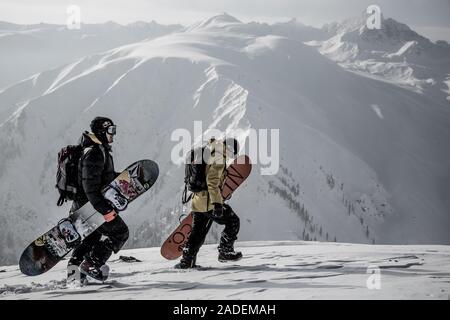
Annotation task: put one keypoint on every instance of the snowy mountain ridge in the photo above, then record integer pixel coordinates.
(29, 49)
(394, 53)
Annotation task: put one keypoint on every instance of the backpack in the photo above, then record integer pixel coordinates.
(67, 172)
(194, 173)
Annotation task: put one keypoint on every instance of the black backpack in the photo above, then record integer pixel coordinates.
(194, 173)
(67, 173)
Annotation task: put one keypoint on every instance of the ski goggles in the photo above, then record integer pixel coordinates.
(111, 130)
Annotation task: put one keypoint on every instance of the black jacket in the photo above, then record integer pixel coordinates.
(95, 171)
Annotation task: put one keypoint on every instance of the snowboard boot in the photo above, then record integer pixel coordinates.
(94, 270)
(227, 254)
(186, 262)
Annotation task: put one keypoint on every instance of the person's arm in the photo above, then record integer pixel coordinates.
(91, 175)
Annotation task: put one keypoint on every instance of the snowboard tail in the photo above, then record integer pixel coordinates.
(237, 172)
(43, 253)
(50, 248)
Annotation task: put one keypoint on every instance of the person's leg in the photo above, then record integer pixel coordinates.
(231, 230)
(117, 233)
(84, 248)
(78, 256)
(229, 234)
(200, 227)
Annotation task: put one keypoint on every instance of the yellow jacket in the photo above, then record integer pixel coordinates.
(215, 176)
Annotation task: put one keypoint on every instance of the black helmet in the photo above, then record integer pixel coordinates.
(100, 126)
(232, 144)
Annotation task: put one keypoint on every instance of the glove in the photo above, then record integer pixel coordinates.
(61, 199)
(110, 216)
(218, 210)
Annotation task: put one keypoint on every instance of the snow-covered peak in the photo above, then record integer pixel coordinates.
(347, 25)
(392, 31)
(294, 22)
(297, 30)
(217, 21)
(394, 52)
(148, 25)
(292, 28)
(223, 18)
(357, 27)
(112, 24)
(138, 24)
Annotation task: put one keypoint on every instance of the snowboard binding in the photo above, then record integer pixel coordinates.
(69, 233)
(117, 200)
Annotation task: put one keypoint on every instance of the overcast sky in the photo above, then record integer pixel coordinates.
(430, 16)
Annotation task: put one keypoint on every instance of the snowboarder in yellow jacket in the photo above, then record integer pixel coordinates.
(208, 207)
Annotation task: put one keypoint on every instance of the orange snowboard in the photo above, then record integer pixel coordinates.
(237, 172)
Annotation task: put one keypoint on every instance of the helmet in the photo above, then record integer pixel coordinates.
(100, 126)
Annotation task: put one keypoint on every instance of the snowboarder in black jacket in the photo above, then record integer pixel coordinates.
(95, 171)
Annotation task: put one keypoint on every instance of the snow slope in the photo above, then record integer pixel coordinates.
(394, 53)
(28, 49)
(269, 270)
(360, 160)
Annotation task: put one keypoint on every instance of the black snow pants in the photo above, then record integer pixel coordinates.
(97, 250)
(201, 224)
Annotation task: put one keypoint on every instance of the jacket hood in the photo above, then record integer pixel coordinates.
(88, 139)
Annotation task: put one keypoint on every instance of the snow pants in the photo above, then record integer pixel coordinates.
(201, 224)
(99, 250)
